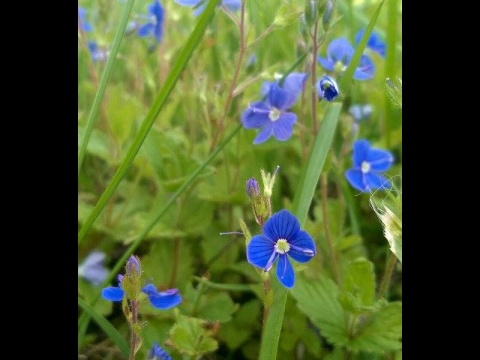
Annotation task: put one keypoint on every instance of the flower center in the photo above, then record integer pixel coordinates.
(274, 114)
(365, 167)
(339, 67)
(282, 246)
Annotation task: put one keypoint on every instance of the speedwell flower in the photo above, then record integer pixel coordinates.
(374, 43)
(327, 88)
(282, 238)
(199, 5)
(339, 54)
(92, 268)
(154, 26)
(368, 162)
(157, 353)
(272, 115)
(85, 26)
(97, 53)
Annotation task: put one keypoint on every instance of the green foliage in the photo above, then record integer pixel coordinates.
(358, 290)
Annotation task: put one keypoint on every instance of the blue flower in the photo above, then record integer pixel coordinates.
(339, 54)
(282, 238)
(155, 25)
(97, 53)
(327, 88)
(92, 268)
(271, 115)
(85, 26)
(157, 353)
(374, 43)
(199, 5)
(368, 162)
(360, 112)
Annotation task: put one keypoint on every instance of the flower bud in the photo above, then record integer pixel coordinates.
(252, 188)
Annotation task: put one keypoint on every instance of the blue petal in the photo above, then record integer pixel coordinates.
(285, 272)
(95, 274)
(256, 115)
(158, 353)
(199, 10)
(360, 112)
(112, 293)
(165, 300)
(293, 84)
(302, 241)
(340, 50)
(281, 225)
(360, 150)
(232, 5)
(356, 179)
(149, 289)
(283, 127)
(376, 181)
(327, 88)
(365, 69)
(187, 2)
(157, 10)
(265, 133)
(374, 43)
(277, 97)
(327, 64)
(380, 160)
(266, 87)
(145, 30)
(158, 31)
(259, 250)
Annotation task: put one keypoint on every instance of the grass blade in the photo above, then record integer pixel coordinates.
(92, 117)
(107, 328)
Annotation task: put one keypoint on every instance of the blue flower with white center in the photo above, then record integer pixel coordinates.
(154, 26)
(327, 88)
(374, 43)
(339, 54)
(157, 353)
(368, 162)
(92, 268)
(199, 5)
(272, 115)
(282, 238)
(97, 53)
(85, 26)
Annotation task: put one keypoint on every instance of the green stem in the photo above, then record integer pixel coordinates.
(104, 81)
(387, 275)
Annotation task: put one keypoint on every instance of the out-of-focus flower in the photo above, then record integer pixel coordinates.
(327, 88)
(360, 112)
(339, 54)
(92, 268)
(154, 26)
(199, 5)
(97, 53)
(83, 24)
(281, 239)
(368, 163)
(271, 114)
(158, 353)
(374, 43)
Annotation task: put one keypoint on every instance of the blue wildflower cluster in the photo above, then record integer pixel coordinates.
(97, 53)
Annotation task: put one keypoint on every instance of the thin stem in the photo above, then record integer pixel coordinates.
(333, 254)
(228, 102)
(313, 78)
(133, 329)
(391, 262)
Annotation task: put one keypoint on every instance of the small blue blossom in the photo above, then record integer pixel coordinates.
(84, 25)
(271, 115)
(154, 26)
(339, 54)
(360, 112)
(157, 353)
(97, 53)
(199, 5)
(92, 268)
(327, 88)
(368, 162)
(374, 43)
(282, 238)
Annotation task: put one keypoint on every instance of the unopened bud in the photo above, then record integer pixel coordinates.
(252, 188)
(327, 15)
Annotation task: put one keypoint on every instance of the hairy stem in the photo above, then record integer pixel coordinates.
(391, 262)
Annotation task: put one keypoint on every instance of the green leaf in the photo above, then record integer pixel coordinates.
(108, 328)
(190, 336)
(358, 286)
(287, 14)
(382, 332)
(325, 311)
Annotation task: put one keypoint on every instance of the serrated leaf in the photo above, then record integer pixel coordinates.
(190, 336)
(358, 286)
(318, 300)
(382, 332)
